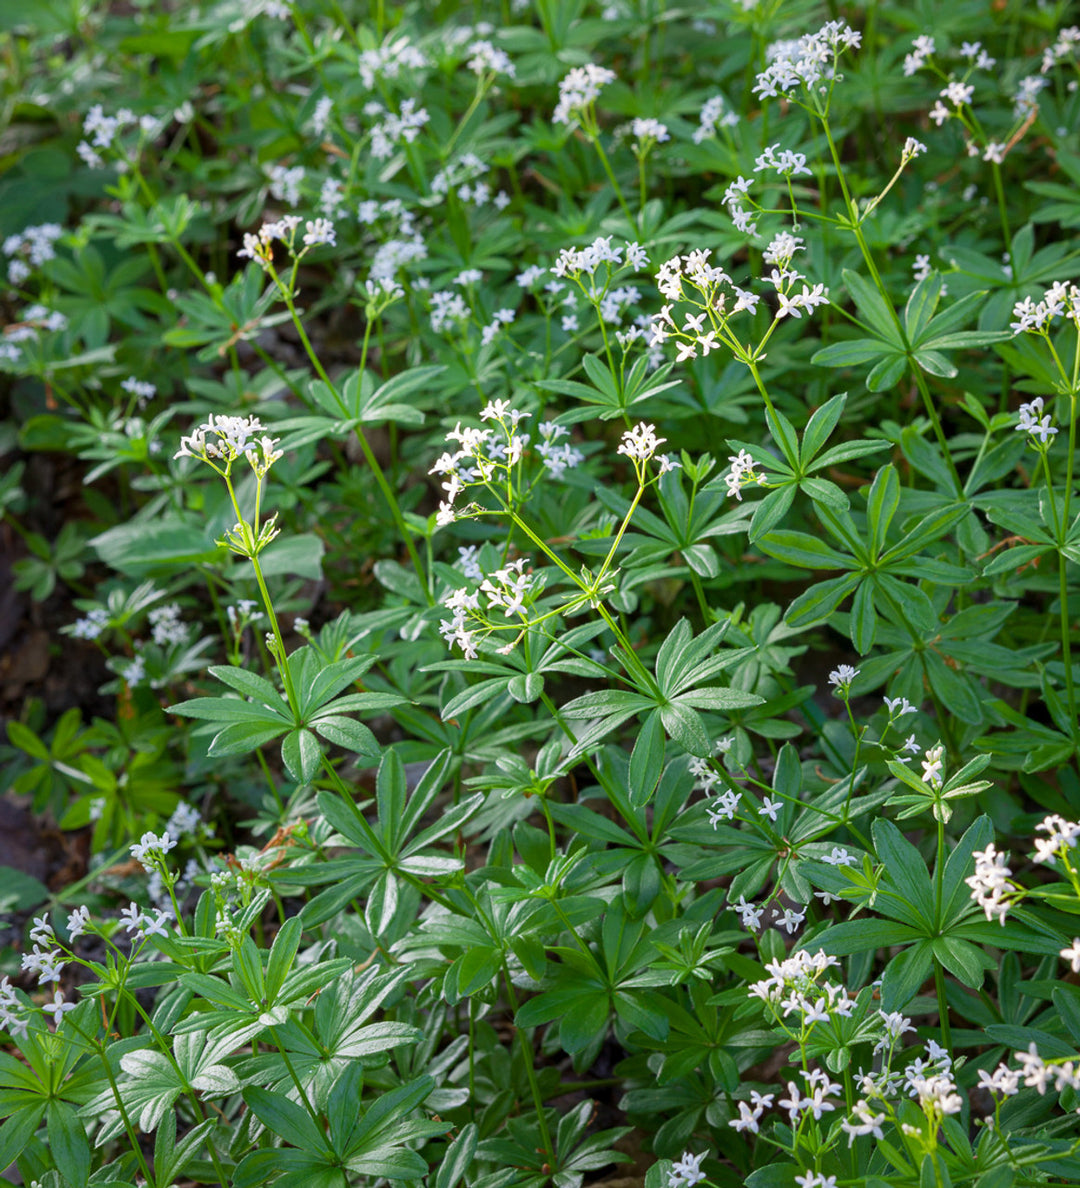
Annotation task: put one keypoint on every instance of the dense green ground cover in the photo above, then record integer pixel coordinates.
(567, 588)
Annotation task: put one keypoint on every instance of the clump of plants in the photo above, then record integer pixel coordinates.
(576, 530)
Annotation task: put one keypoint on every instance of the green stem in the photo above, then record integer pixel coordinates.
(530, 1072)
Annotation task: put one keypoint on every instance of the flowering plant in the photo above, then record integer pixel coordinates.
(562, 533)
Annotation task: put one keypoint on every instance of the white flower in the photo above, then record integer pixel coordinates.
(748, 1118)
(319, 231)
(578, 90)
(77, 921)
(990, 882)
(58, 1006)
(640, 443)
(842, 676)
(933, 766)
(150, 844)
(770, 808)
(686, 1172)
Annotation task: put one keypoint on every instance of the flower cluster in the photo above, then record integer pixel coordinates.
(224, 439)
(795, 986)
(990, 882)
(1061, 836)
(260, 247)
(1063, 46)
(1034, 421)
(29, 249)
(709, 289)
(101, 131)
(150, 848)
(489, 59)
(841, 678)
(640, 444)
(1060, 300)
(741, 473)
(388, 61)
(578, 91)
(394, 128)
(805, 63)
(715, 111)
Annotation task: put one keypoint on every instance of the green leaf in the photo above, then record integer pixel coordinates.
(526, 687)
(348, 733)
(18, 1130)
(863, 620)
(285, 1119)
(647, 760)
(282, 954)
(873, 308)
(905, 974)
(852, 351)
(820, 600)
(921, 305)
(820, 426)
(297, 555)
(886, 374)
(68, 1144)
(244, 737)
(881, 505)
(458, 1158)
(804, 550)
(302, 755)
(906, 869)
(684, 725)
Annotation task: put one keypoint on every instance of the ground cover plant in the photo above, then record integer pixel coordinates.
(551, 540)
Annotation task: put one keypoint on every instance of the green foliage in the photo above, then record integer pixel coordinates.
(585, 643)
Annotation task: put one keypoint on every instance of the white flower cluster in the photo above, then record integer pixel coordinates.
(259, 247)
(1026, 99)
(101, 130)
(715, 112)
(400, 127)
(30, 248)
(921, 48)
(34, 319)
(933, 766)
(150, 846)
(1061, 836)
(92, 625)
(558, 456)
(640, 444)
(686, 1172)
(482, 456)
(1064, 46)
(841, 677)
(487, 58)
(1038, 1074)
(507, 589)
(990, 882)
(136, 921)
(740, 474)
(794, 986)
(1060, 300)
(389, 60)
(579, 90)
(285, 183)
(142, 390)
(1034, 421)
(804, 63)
(786, 162)
(647, 131)
(574, 262)
(234, 436)
(712, 285)
(166, 626)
